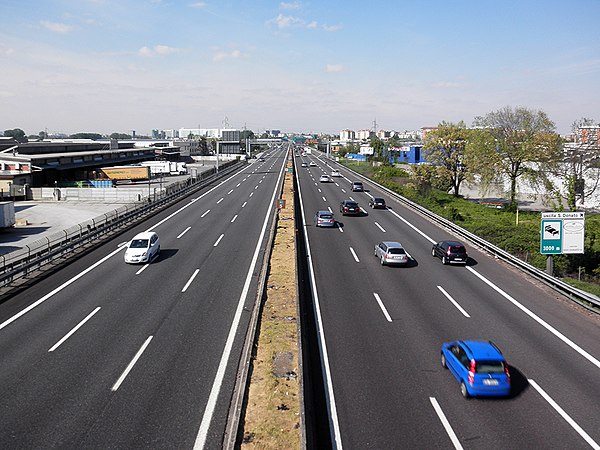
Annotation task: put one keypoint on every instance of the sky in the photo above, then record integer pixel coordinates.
(105, 66)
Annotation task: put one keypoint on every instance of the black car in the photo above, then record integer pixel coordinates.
(450, 252)
(377, 202)
(349, 207)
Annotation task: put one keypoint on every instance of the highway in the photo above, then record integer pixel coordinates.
(382, 330)
(107, 355)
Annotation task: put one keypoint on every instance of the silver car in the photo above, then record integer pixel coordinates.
(390, 252)
(324, 219)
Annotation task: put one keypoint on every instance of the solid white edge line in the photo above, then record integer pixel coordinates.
(218, 240)
(187, 285)
(382, 306)
(183, 232)
(380, 227)
(131, 364)
(333, 418)
(454, 302)
(445, 423)
(70, 333)
(220, 375)
(564, 415)
(538, 319)
(354, 254)
(411, 225)
(234, 217)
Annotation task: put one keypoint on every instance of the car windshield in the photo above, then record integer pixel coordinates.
(490, 367)
(139, 243)
(396, 251)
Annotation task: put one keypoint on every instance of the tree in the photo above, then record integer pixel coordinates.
(581, 163)
(42, 135)
(246, 134)
(120, 136)
(17, 134)
(93, 136)
(378, 149)
(516, 143)
(446, 148)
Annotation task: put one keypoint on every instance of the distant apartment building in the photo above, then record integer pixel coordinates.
(364, 135)
(384, 135)
(184, 133)
(588, 135)
(171, 134)
(347, 135)
(425, 130)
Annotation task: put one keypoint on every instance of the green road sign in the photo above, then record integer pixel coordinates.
(551, 237)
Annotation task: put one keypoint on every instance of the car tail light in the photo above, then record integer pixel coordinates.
(507, 373)
(448, 251)
(472, 371)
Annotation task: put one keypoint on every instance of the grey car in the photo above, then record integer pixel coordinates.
(324, 219)
(391, 252)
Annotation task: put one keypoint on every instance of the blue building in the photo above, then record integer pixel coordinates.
(408, 154)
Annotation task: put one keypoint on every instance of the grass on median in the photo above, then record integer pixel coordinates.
(272, 416)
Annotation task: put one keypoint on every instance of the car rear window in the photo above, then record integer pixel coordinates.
(352, 204)
(490, 367)
(458, 249)
(326, 216)
(396, 251)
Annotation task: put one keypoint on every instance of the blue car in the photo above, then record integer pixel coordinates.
(478, 366)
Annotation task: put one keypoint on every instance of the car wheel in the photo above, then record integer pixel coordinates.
(463, 389)
(444, 260)
(433, 252)
(444, 361)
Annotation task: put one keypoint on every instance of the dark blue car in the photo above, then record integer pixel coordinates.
(478, 366)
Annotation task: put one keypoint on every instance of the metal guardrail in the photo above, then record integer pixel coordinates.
(21, 262)
(585, 299)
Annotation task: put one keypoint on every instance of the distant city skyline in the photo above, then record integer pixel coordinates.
(115, 66)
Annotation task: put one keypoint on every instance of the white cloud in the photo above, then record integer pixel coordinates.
(198, 5)
(312, 25)
(158, 50)
(234, 54)
(332, 28)
(56, 27)
(286, 21)
(446, 84)
(330, 68)
(290, 5)
(6, 51)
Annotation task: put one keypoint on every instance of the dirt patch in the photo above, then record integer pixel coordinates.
(272, 416)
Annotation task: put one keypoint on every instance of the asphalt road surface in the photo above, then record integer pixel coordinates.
(383, 327)
(108, 355)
